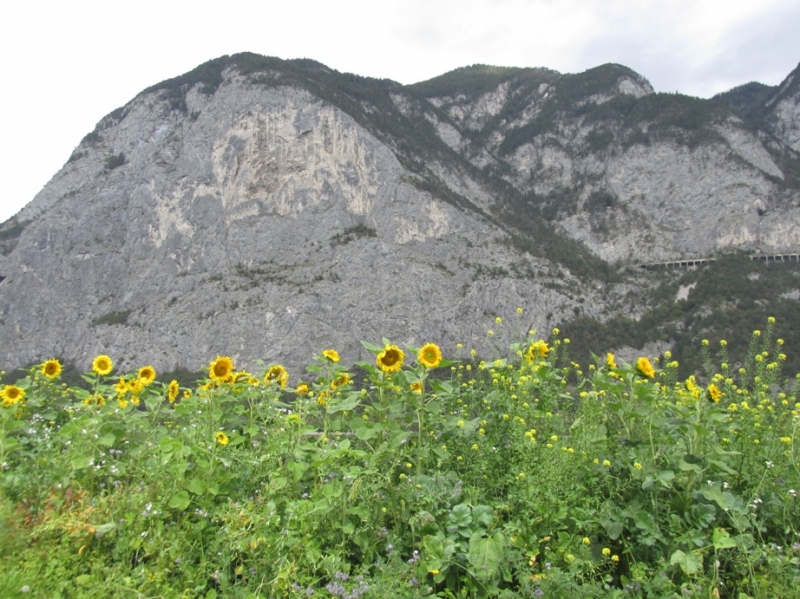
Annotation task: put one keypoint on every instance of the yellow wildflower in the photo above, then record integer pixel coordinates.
(102, 365)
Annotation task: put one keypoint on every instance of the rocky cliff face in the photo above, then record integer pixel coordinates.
(269, 209)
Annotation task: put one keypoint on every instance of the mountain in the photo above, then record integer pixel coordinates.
(267, 209)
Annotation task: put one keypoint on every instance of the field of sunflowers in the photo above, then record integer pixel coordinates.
(427, 471)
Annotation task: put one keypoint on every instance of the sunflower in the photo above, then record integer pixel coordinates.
(416, 387)
(610, 362)
(222, 438)
(11, 395)
(102, 365)
(221, 369)
(714, 393)
(430, 356)
(122, 386)
(537, 349)
(147, 374)
(332, 355)
(172, 391)
(341, 381)
(51, 368)
(277, 374)
(390, 359)
(645, 368)
(301, 389)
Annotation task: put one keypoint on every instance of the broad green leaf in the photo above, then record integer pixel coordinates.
(197, 486)
(180, 501)
(722, 539)
(483, 514)
(485, 554)
(690, 562)
(460, 517)
(80, 462)
(106, 440)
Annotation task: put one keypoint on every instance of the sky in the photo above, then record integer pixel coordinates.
(69, 63)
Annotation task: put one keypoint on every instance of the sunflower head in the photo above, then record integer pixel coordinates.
(430, 356)
(172, 391)
(416, 387)
(51, 368)
(102, 365)
(610, 362)
(301, 389)
(277, 374)
(340, 381)
(221, 369)
(390, 359)
(147, 374)
(222, 438)
(537, 349)
(331, 355)
(645, 368)
(714, 393)
(11, 395)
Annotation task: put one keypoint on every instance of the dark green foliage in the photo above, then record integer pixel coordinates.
(747, 100)
(10, 232)
(353, 233)
(731, 298)
(115, 161)
(119, 317)
(474, 80)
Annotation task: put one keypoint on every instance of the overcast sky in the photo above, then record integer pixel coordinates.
(67, 64)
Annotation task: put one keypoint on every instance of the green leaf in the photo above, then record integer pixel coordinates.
(106, 440)
(180, 501)
(373, 348)
(197, 486)
(483, 514)
(722, 540)
(690, 562)
(485, 554)
(298, 469)
(460, 517)
(433, 548)
(102, 529)
(346, 404)
(80, 462)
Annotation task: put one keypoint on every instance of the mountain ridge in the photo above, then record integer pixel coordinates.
(254, 198)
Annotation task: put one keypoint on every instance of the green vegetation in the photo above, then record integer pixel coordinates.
(115, 161)
(527, 476)
(730, 297)
(353, 233)
(116, 317)
(10, 232)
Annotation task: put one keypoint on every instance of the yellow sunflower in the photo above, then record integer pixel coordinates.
(172, 391)
(147, 374)
(122, 386)
(610, 362)
(537, 349)
(390, 359)
(12, 395)
(221, 369)
(332, 355)
(51, 368)
(102, 365)
(416, 387)
(430, 356)
(341, 381)
(277, 374)
(645, 368)
(222, 438)
(301, 389)
(714, 393)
